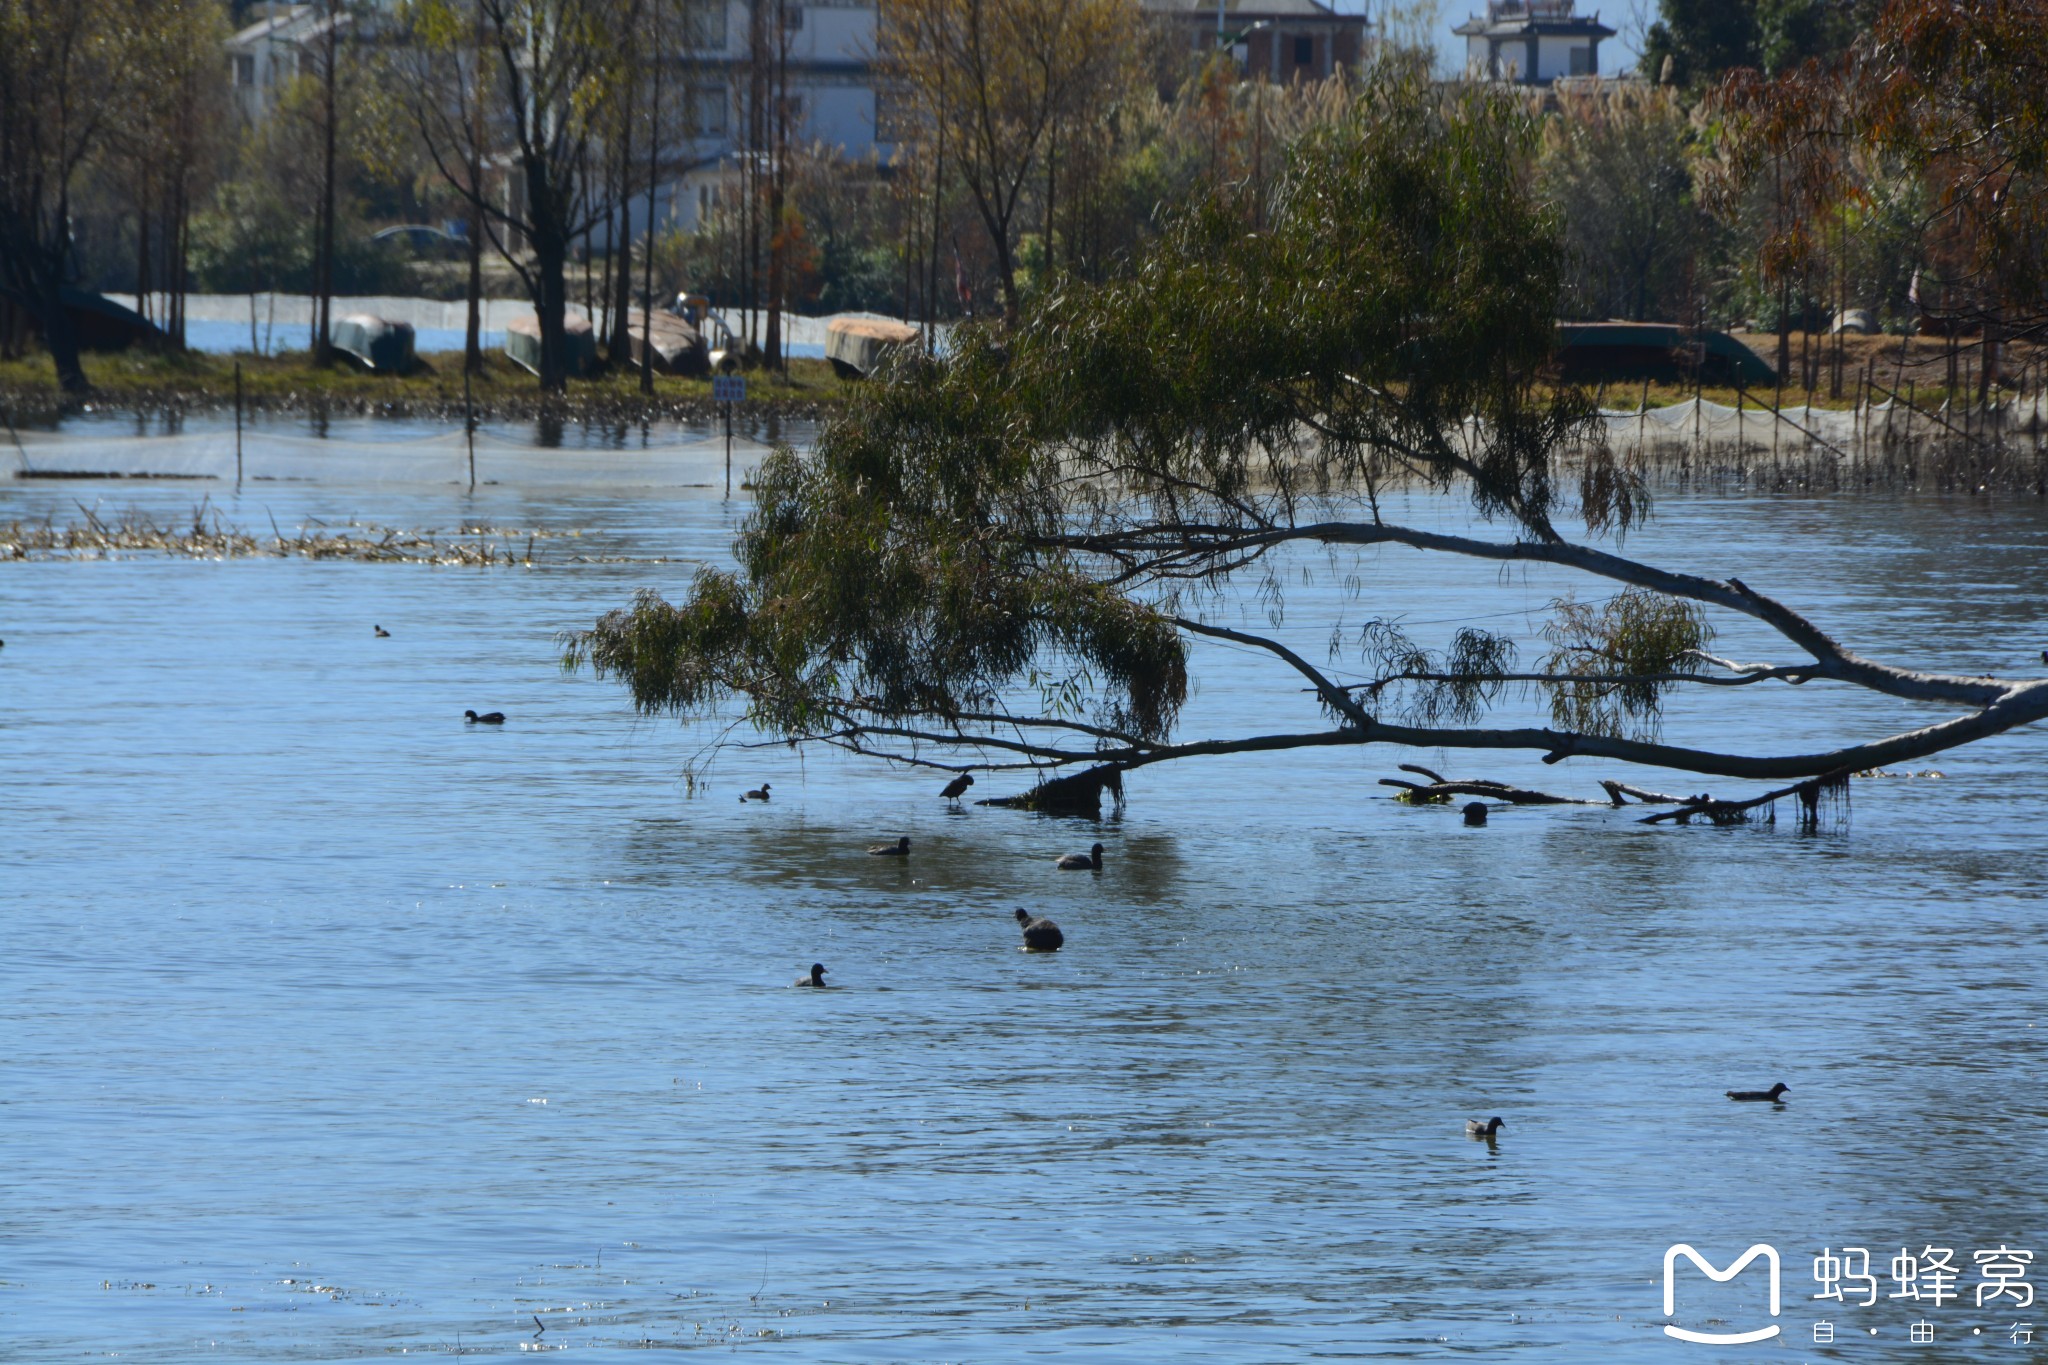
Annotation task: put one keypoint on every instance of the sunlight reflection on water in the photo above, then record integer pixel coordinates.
(294, 952)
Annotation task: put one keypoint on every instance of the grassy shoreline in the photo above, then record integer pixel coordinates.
(161, 382)
(157, 382)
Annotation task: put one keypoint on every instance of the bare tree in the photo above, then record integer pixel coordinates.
(993, 78)
(67, 70)
(529, 111)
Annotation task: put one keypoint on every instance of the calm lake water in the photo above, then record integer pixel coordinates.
(335, 1028)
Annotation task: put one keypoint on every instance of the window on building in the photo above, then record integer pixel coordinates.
(707, 106)
(1304, 51)
(705, 24)
(245, 69)
(1582, 61)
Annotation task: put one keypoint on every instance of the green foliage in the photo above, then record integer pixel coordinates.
(1706, 39)
(253, 239)
(1424, 687)
(1618, 165)
(1620, 657)
(953, 537)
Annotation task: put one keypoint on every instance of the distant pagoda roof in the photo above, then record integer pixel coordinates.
(1521, 18)
(1278, 9)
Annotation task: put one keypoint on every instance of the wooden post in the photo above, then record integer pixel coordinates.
(1912, 407)
(1777, 413)
(238, 425)
(1699, 389)
(469, 425)
(1643, 420)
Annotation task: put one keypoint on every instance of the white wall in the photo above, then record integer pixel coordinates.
(1554, 56)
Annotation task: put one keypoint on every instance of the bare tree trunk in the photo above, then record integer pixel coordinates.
(62, 340)
(472, 339)
(647, 257)
(181, 261)
(620, 345)
(757, 139)
(323, 266)
(473, 336)
(778, 184)
(931, 288)
(142, 256)
(1052, 160)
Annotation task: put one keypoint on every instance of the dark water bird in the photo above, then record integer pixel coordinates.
(1474, 1128)
(487, 718)
(899, 849)
(1475, 813)
(1091, 861)
(816, 978)
(382, 633)
(1770, 1096)
(1040, 935)
(958, 787)
(759, 793)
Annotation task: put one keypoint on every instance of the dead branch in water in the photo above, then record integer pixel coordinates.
(1811, 793)
(1440, 788)
(1829, 787)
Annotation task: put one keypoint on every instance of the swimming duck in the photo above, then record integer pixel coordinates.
(1474, 1128)
(759, 793)
(1475, 813)
(1770, 1096)
(487, 718)
(958, 786)
(1091, 861)
(1040, 935)
(899, 849)
(816, 978)
(382, 633)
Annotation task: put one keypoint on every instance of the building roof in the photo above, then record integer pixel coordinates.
(303, 25)
(1523, 18)
(267, 28)
(1247, 9)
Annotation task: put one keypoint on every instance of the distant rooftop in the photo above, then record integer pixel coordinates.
(1303, 9)
(1508, 18)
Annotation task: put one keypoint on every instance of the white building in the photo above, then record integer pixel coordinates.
(827, 55)
(1532, 42)
(271, 53)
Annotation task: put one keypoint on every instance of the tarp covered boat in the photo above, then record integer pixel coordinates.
(858, 343)
(522, 344)
(379, 343)
(678, 347)
(1592, 351)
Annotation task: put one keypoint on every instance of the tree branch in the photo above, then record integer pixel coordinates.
(1831, 660)
(2023, 705)
(1333, 696)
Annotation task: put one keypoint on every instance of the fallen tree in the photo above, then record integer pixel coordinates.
(999, 560)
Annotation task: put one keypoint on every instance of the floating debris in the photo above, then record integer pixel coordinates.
(209, 536)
